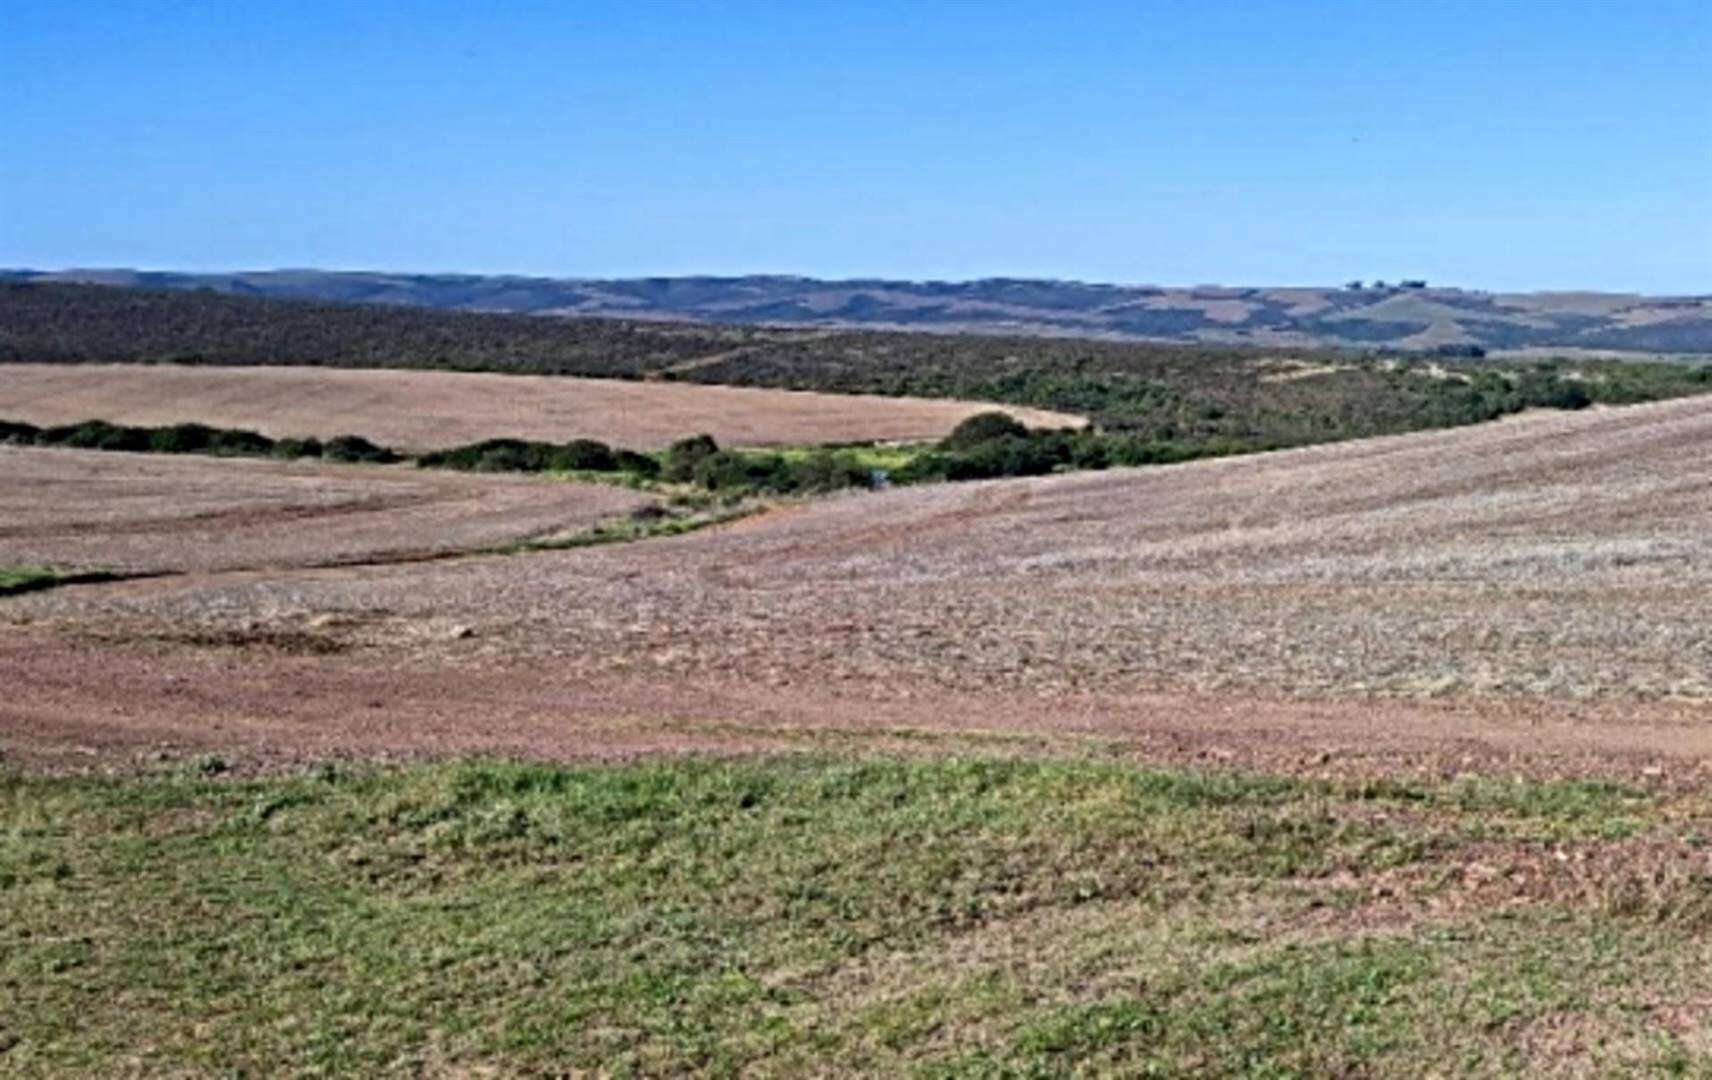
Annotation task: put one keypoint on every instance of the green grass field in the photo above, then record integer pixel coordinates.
(936, 916)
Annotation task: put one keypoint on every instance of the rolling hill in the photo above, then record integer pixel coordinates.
(1403, 316)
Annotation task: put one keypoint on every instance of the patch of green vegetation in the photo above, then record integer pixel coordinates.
(193, 439)
(522, 455)
(20, 579)
(947, 916)
(886, 457)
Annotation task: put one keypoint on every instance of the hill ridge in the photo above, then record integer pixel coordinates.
(1405, 316)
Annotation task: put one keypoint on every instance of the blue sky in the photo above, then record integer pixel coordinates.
(1497, 144)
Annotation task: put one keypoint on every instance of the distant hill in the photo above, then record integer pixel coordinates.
(1403, 316)
(1186, 397)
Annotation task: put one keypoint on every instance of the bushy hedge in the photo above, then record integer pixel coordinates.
(522, 455)
(96, 435)
(739, 472)
(355, 448)
(18, 434)
(685, 457)
(983, 428)
(192, 439)
(201, 439)
(699, 460)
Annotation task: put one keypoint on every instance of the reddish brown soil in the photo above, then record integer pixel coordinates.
(1528, 596)
(75, 705)
(151, 513)
(431, 410)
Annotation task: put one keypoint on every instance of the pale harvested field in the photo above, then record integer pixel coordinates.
(82, 510)
(1534, 589)
(430, 410)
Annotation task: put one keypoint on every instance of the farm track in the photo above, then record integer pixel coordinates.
(433, 410)
(1527, 596)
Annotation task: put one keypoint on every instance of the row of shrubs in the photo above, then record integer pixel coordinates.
(193, 439)
(994, 444)
(520, 455)
(698, 461)
(986, 446)
(701, 461)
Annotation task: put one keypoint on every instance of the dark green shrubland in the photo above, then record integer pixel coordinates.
(1199, 398)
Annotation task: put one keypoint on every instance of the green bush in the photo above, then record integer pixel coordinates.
(1545, 390)
(982, 428)
(1090, 451)
(685, 456)
(732, 472)
(181, 439)
(186, 438)
(202, 439)
(357, 448)
(521, 455)
(828, 470)
(489, 455)
(586, 454)
(1003, 457)
(96, 435)
(502, 458)
(18, 434)
(297, 448)
(638, 464)
(240, 442)
(925, 467)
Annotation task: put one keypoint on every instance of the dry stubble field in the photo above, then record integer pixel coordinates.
(1552, 566)
(137, 514)
(432, 410)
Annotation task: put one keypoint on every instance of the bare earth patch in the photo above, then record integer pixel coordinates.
(152, 513)
(430, 410)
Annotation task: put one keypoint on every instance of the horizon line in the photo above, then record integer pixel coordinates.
(1366, 283)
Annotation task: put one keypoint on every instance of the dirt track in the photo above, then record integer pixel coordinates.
(1530, 594)
(430, 410)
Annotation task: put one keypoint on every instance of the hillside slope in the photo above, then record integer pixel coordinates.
(1408, 317)
(1192, 396)
(419, 411)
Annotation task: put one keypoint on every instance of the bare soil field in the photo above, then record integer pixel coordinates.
(1532, 592)
(85, 510)
(431, 410)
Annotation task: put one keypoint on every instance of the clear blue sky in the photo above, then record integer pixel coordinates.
(1493, 144)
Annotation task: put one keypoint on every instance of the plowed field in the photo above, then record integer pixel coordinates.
(1535, 589)
(85, 510)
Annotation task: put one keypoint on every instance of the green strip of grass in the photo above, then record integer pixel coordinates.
(20, 579)
(836, 915)
(23, 579)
